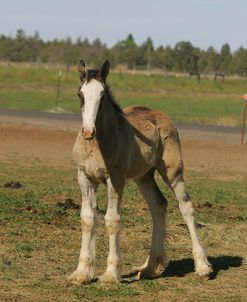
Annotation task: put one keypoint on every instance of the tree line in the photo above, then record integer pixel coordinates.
(183, 57)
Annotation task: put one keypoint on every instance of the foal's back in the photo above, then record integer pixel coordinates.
(144, 118)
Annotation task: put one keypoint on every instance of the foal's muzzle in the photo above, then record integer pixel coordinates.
(88, 133)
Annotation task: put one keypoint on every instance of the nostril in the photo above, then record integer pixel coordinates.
(88, 134)
(82, 130)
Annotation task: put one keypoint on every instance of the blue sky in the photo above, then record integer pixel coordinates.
(203, 22)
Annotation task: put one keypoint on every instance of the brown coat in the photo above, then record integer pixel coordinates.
(137, 143)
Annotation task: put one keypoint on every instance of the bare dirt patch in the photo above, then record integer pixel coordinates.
(51, 147)
(215, 156)
(31, 146)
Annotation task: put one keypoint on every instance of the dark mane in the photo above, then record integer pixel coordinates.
(112, 101)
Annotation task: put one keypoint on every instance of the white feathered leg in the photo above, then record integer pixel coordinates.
(112, 221)
(85, 271)
(202, 265)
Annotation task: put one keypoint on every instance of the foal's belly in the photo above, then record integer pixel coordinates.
(142, 160)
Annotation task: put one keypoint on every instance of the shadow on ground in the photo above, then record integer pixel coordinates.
(180, 268)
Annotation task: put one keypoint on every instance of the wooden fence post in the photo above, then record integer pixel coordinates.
(58, 87)
(244, 117)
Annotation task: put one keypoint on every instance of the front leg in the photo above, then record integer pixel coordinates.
(112, 221)
(85, 271)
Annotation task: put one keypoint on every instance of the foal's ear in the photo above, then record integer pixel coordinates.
(105, 70)
(82, 70)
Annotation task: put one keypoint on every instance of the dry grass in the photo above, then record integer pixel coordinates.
(41, 241)
(40, 229)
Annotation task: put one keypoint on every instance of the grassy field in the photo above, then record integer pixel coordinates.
(183, 99)
(40, 238)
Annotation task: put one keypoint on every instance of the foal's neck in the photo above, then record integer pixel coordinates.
(110, 117)
(111, 134)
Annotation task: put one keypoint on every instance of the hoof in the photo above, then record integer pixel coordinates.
(152, 268)
(204, 271)
(150, 273)
(206, 277)
(80, 277)
(110, 277)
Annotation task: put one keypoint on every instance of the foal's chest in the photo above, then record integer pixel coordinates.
(89, 159)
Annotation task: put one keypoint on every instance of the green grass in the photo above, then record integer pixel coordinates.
(40, 239)
(182, 98)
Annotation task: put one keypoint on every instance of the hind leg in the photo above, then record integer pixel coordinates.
(156, 262)
(186, 208)
(173, 176)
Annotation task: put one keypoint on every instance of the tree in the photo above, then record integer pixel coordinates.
(36, 45)
(185, 57)
(164, 58)
(94, 52)
(145, 54)
(20, 34)
(125, 52)
(68, 53)
(202, 62)
(239, 62)
(18, 48)
(130, 51)
(212, 58)
(225, 59)
(159, 59)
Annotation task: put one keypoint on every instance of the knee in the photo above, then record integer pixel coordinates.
(174, 171)
(86, 259)
(112, 223)
(180, 191)
(87, 221)
(114, 261)
(186, 208)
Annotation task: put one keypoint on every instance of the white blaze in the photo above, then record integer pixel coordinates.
(92, 92)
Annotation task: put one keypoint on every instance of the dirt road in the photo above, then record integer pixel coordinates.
(63, 121)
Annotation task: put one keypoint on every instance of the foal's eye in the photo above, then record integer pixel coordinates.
(81, 97)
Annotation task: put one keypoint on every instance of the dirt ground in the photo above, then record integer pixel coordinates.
(54, 147)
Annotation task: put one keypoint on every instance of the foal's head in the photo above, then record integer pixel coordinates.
(90, 93)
